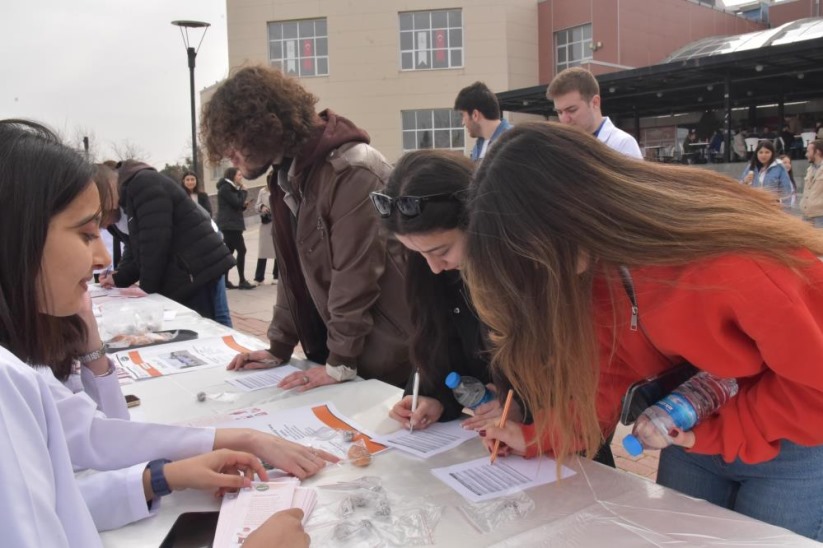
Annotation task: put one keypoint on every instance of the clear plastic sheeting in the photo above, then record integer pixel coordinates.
(362, 514)
(488, 516)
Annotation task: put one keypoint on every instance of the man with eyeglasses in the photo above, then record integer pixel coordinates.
(576, 97)
(342, 289)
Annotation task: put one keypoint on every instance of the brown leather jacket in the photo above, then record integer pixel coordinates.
(335, 260)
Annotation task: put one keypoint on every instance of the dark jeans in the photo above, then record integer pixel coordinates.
(235, 242)
(260, 271)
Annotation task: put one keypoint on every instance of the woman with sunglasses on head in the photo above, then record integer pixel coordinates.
(424, 206)
(721, 278)
(44, 273)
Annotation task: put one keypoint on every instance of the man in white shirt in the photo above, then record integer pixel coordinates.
(576, 96)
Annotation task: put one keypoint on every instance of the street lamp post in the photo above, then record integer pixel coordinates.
(192, 54)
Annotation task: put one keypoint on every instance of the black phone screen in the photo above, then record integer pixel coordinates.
(642, 395)
(192, 530)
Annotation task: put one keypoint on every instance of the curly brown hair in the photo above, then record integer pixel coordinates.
(256, 111)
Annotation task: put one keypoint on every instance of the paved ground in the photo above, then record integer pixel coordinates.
(251, 312)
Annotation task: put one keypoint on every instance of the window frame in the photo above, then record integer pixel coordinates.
(276, 32)
(567, 47)
(412, 36)
(455, 130)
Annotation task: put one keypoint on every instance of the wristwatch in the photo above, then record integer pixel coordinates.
(159, 485)
(96, 355)
(340, 373)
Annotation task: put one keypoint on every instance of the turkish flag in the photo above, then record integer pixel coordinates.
(440, 45)
(308, 51)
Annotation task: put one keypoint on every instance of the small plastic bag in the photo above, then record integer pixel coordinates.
(361, 513)
(488, 516)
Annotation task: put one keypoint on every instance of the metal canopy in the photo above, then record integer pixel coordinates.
(784, 71)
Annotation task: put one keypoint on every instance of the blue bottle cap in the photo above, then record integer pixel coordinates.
(453, 379)
(632, 445)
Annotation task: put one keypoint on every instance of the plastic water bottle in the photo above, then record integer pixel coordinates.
(468, 391)
(690, 403)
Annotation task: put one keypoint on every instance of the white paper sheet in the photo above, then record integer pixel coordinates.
(479, 481)
(320, 426)
(437, 438)
(184, 356)
(249, 382)
(244, 511)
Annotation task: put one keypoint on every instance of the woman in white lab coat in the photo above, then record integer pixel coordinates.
(52, 209)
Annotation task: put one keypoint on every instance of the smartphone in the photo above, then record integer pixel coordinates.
(643, 394)
(132, 401)
(192, 530)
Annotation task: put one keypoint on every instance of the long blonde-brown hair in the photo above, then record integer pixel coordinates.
(548, 200)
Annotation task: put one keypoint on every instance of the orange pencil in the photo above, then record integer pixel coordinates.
(502, 423)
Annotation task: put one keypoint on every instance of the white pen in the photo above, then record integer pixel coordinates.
(415, 392)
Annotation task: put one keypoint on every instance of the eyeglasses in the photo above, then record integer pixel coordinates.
(408, 206)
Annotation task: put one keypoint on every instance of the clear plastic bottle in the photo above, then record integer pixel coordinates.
(690, 403)
(468, 391)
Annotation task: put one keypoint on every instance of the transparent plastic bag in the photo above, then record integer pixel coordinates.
(362, 514)
(488, 516)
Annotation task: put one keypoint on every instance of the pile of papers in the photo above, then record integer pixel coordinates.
(243, 512)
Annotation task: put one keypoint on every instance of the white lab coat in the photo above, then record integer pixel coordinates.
(617, 139)
(100, 437)
(40, 503)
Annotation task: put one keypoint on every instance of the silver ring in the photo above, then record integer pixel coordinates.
(305, 379)
(424, 420)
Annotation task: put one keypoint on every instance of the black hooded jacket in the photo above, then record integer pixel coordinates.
(172, 247)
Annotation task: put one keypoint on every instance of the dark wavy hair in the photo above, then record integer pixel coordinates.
(754, 163)
(257, 111)
(39, 178)
(478, 97)
(196, 179)
(422, 173)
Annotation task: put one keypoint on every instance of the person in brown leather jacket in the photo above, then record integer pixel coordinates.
(342, 289)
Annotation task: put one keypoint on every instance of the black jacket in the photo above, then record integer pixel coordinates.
(231, 202)
(466, 346)
(205, 203)
(172, 248)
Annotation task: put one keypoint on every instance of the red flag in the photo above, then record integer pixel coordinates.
(440, 45)
(308, 62)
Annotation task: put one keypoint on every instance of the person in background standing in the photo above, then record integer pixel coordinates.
(786, 160)
(190, 185)
(221, 303)
(812, 202)
(265, 242)
(576, 97)
(767, 172)
(231, 203)
(481, 117)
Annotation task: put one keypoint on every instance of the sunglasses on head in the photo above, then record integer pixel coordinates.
(408, 206)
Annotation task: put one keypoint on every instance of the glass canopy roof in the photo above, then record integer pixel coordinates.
(795, 31)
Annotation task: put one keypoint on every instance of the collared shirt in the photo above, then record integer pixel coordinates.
(617, 139)
(285, 172)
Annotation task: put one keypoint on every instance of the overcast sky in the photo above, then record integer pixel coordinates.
(116, 67)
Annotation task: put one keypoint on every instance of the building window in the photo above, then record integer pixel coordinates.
(431, 39)
(432, 128)
(573, 46)
(300, 48)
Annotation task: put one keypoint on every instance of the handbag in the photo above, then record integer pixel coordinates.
(265, 218)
